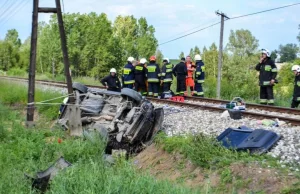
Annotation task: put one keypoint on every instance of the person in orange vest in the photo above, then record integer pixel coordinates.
(189, 79)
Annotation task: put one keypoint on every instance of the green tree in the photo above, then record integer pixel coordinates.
(191, 54)
(12, 36)
(181, 55)
(242, 43)
(274, 54)
(159, 57)
(288, 52)
(146, 41)
(197, 50)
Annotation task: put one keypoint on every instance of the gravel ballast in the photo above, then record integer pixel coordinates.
(193, 121)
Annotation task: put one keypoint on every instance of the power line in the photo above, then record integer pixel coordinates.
(8, 9)
(229, 19)
(5, 3)
(190, 33)
(183, 32)
(264, 11)
(17, 9)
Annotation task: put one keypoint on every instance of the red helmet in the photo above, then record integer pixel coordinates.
(152, 58)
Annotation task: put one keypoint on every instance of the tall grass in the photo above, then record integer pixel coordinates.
(28, 151)
(15, 94)
(206, 152)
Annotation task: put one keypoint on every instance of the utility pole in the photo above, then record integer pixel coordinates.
(31, 81)
(220, 53)
(34, 34)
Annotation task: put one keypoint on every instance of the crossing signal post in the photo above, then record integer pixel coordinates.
(33, 49)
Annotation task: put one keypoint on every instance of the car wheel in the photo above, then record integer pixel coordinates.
(80, 87)
(132, 94)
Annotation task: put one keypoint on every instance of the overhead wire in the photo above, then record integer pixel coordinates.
(4, 5)
(8, 9)
(241, 16)
(17, 9)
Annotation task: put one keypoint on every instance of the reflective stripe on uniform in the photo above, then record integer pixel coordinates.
(169, 70)
(271, 101)
(168, 80)
(126, 71)
(150, 93)
(203, 68)
(200, 81)
(200, 93)
(155, 94)
(153, 80)
(151, 69)
(129, 82)
(298, 84)
(163, 74)
(268, 68)
(274, 70)
(266, 83)
(263, 100)
(169, 66)
(139, 68)
(298, 98)
(198, 73)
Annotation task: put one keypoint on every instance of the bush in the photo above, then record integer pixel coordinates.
(17, 72)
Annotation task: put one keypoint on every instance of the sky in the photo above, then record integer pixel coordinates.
(174, 18)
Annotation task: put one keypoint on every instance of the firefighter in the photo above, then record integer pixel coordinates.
(180, 72)
(128, 74)
(199, 76)
(112, 82)
(166, 75)
(190, 80)
(140, 72)
(296, 95)
(153, 72)
(267, 75)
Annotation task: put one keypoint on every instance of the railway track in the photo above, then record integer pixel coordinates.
(251, 114)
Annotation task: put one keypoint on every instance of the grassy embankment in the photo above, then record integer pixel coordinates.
(23, 150)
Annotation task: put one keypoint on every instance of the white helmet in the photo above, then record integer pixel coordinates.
(130, 59)
(296, 68)
(113, 70)
(266, 51)
(197, 57)
(166, 59)
(143, 61)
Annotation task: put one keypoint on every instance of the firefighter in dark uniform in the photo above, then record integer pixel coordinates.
(180, 72)
(167, 75)
(128, 74)
(112, 82)
(153, 77)
(140, 72)
(267, 75)
(296, 95)
(199, 76)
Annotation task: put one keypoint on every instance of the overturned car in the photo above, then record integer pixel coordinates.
(126, 119)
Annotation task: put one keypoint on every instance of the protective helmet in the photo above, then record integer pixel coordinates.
(130, 59)
(197, 57)
(113, 70)
(143, 61)
(266, 51)
(166, 59)
(152, 58)
(296, 68)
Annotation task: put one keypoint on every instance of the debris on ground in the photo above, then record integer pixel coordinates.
(257, 141)
(126, 119)
(41, 180)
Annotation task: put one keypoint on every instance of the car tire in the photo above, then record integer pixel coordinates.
(132, 94)
(80, 87)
